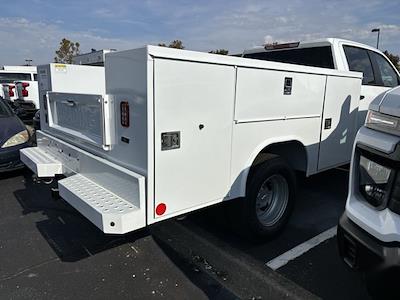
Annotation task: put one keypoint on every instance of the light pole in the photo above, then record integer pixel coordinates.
(378, 31)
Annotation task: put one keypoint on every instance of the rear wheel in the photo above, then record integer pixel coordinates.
(270, 198)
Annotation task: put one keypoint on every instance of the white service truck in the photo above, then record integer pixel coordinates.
(176, 131)
(369, 229)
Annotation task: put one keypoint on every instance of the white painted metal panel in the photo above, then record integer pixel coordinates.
(260, 95)
(188, 95)
(127, 80)
(41, 162)
(251, 138)
(64, 78)
(341, 107)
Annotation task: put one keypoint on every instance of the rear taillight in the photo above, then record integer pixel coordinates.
(10, 90)
(24, 90)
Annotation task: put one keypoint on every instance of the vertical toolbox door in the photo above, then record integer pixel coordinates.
(339, 122)
(193, 113)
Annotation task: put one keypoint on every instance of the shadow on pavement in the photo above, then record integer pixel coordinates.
(70, 235)
(320, 202)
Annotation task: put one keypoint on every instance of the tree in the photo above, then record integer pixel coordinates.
(66, 51)
(395, 59)
(177, 44)
(220, 51)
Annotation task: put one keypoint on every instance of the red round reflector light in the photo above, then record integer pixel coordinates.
(160, 209)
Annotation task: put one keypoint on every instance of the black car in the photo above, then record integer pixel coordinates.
(13, 137)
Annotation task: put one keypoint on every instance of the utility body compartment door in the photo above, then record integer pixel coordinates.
(339, 122)
(193, 113)
(82, 116)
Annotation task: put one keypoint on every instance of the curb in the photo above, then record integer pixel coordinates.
(240, 274)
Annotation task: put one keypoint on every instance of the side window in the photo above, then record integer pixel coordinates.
(359, 61)
(11, 77)
(388, 74)
(313, 57)
(35, 77)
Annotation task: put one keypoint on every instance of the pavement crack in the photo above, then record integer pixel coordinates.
(8, 277)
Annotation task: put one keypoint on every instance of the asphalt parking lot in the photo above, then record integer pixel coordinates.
(48, 250)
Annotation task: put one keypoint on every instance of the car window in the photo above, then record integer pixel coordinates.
(11, 77)
(388, 74)
(35, 77)
(5, 110)
(313, 56)
(359, 61)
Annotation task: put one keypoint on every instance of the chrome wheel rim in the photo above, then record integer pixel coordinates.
(272, 200)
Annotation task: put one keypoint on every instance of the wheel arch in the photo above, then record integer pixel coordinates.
(292, 150)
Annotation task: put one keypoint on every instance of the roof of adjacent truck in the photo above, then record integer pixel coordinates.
(314, 43)
(30, 69)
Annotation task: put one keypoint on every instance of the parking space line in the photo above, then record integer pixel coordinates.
(299, 250)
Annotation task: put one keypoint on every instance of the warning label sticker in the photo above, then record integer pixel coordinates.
(61, 68)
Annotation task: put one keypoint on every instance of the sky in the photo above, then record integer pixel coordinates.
(32, 29)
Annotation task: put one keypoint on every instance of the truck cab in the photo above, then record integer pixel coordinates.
(379, 74)
(369, 230)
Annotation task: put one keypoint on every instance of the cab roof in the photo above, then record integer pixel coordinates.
(309, 44)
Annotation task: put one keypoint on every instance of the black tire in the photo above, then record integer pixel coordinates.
(254, 220)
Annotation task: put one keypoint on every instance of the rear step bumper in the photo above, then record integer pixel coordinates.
(112, 214)
(41, 162)
(110, 196)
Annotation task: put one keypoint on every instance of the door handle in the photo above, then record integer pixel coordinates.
(69, 102)
(362, 97)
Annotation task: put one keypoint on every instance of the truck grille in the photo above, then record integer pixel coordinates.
(350, 251)
(394, 202)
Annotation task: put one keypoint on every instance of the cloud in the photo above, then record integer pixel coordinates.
(39, 40)
(205, 25)
(250, 23)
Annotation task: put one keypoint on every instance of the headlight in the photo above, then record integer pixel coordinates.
(382, 122)
(374, 181)
(17, 139)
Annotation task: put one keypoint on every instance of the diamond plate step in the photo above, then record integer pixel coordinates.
(109, 212)
(41, 162)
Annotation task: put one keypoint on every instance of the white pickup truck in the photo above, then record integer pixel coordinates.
(369, 229)
(11, 74)
(176, 131)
